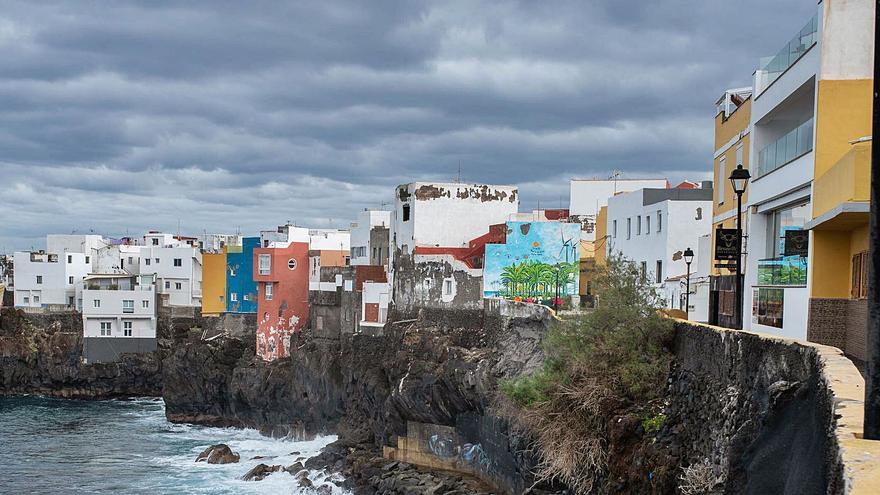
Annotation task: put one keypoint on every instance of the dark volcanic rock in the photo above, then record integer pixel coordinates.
(42, 354)
(218, 454)
(260, 472)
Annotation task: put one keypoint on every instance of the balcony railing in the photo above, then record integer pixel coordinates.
(798, 142)
(772, 67)
(786, 270)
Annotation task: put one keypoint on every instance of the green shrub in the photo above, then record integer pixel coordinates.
(652, 424)
(596, 364)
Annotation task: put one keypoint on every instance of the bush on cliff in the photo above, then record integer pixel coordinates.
(598, 364)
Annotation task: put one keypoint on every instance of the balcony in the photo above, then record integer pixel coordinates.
(847, 181)
(783, 271)
(773, 67)
(793, 145)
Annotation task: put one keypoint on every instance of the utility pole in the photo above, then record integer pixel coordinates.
(872, 372)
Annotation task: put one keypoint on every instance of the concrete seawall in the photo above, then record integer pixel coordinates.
(771, 415)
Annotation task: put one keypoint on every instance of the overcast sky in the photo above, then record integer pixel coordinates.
(222, 115)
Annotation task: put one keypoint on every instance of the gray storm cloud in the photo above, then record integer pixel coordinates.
(227, 115)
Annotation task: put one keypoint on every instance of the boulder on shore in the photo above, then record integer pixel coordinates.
(260, 471)
(218, 454)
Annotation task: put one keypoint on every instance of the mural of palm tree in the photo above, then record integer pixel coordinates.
(512, 276)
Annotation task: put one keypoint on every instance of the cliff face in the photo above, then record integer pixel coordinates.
(368, 389)
(42, 355)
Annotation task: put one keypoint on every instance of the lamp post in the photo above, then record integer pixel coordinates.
(688, 258)
(739, 178)
(556, 299)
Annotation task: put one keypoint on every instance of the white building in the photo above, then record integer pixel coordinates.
(587, 196)
(178, 271)
(431, 214)
(653, 228)
(48, 280)
(374, 305)
(364, 250)
(119, 315)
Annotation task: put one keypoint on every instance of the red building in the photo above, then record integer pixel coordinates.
(282, 276)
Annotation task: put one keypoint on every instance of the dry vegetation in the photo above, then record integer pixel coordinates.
(612, 359)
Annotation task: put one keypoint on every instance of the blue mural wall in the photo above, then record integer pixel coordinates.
(240, 277)
(528, 263)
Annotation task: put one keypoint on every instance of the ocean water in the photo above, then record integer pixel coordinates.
(127, 447)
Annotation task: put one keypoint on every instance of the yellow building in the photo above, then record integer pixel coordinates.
(841, 203)
(732, 126)
(213, 283)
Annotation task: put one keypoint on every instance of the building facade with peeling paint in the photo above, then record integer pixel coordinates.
(282, 278)
(241, 289)
(653, 227)
(438, 236)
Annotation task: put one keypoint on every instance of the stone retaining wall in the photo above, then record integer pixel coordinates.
(772, 415)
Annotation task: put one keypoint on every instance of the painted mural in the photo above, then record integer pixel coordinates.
(534, 259)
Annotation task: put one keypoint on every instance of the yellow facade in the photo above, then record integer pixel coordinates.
(213, 283)
(730, 132)
(601, 248)
(841, 177)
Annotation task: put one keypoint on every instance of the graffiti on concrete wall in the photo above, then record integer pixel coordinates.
(538, 260)
(470, 454)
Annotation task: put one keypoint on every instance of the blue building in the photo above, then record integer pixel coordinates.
(241, 289)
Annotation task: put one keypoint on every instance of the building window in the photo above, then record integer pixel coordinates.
(647, 224)
(70, 300)
(39, 279)
(130, 260)
(145, 303)
(269, 289)
(155, 242)
(233, 296)
(126, 328)
(860, 275)
(659, 221)
(128, 306)
(147, 261)
(97, 303)
(643, 271)
(106, 328)
(69, 259)
(88, 260)
(722, 179)
(639, 225)
(614, 228)
(36, 299)
(178, 262)
(629, 228)
(739, 154)
(167, 284)
(265, 264)
(246, 297)
(178, 285)
(156, 260)
(291, 264)
(406, 213)
(231, 271)
(659, 271)
(447, 287)
(70, 280)
(27, 300)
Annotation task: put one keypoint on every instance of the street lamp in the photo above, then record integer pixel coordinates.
(739, 178)
(688, 258)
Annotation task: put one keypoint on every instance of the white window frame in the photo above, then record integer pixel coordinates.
(96, 303)
(128, 305)
(722, 179)
(127, 328)
(178, 261)
(145, 303)
(233, 296)
(269, 291)
(264, 264)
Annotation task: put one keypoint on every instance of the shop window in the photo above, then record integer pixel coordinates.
(767, 304)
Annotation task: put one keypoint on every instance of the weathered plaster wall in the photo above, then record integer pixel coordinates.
(434, 282)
